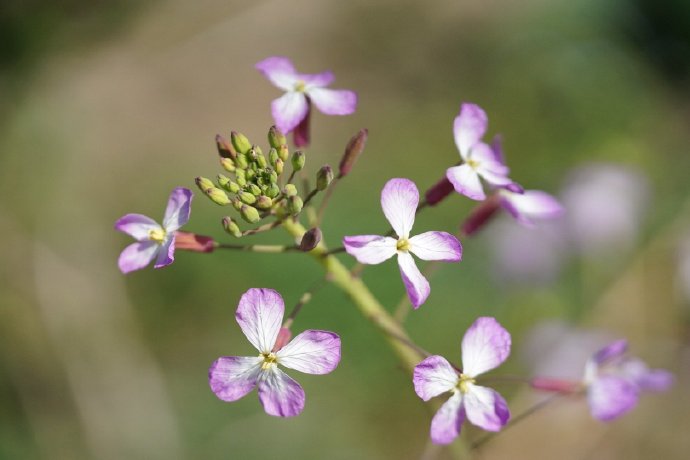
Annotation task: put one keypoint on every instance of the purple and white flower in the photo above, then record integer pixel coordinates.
(480, 160)
(260, 314)
(530, 206)
(291, 111)
(154, 241)
(485, 346)
(399, 200)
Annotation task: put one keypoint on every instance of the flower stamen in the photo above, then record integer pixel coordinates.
(270, 360)
(464, 382)
(157, 235)
(403, 244)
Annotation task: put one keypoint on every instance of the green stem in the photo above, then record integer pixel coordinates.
(269, 248)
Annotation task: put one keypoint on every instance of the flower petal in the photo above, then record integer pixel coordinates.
(486, 408)
(610, 397)
(259, 315)
(166, 253)
(312, 351)
(232, 377)
(486, 157)
(469, 127)
(280, 71)
(178, 209)
(370, 249)
(434, 376)
(289, 110)
(436, 246)
(280, 395)
(316, 80)
(399, 200)
(137, 256)
(486, 345)
(333, 101)
(138, 226)
(417, 286)
(446, 424)
(530, 205)
(646, 379)
(466, 182)
(610, 352)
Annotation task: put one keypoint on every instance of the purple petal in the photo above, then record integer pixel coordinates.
(646, 379)
(259, 315)
(469, 127)
(289, 110)
(485, 346)
(530, 205)
(137, 256)
(436, 246)
(317, 80)
(138, 226)
(497, 148)
(370, 249)
(280, 71)
(399, 200)
(166, 253)
(434, 376)
(610, 397)
(610, 352)
(333, 101)
(466, 182)
(178, 209)
(312, 351)
(280, 395)
(486, 408)
(417, 286)
(232, 377)
(446, 424)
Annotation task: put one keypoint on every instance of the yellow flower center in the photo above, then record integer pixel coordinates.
(157, 235)
(270, 360)
(464, 382)
(474, 164)
(403, 245)
(300, 86)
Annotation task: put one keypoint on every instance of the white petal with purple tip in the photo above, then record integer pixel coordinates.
(137, 256)
(486, 408)
(434, 376)
(280, 71)
(446, 424)
(312, 351)
(399, 200)
(289, 110)
(436, 246)
(645, 378)
(232, 377)
(466, 182)
(469, 127)
(532, 204)
(279, 394)
(610, 397)
(417, 286)
(334, 101)
(486, 345)
(166, 253)
(178, 209)
(259, 315)
(370, 249)
(317, 80)
(138, 226)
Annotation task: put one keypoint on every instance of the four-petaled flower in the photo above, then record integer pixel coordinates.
(291, 111)
(154, 241)
(259, 314)
(614, 381)
(399, 200)
(486, 345)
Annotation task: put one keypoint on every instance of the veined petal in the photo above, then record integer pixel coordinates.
(645, 378)
(280, 395)
(259, 315)
(469, 127)
(399, 200)
(316, 80)
(484, 155)
(289, 110)
(466, 182)
(436, 246)
(138, 226)
(334, 101)
(370, 249)
(312, 351)
(446, 424)
(417, 286)
(166, 252)
(610, 397)
(232, 377)
(434, 376)
(486, 408)
(280, 71)
(486, 345)
(137, 256)
(532, 204)
(178, 209)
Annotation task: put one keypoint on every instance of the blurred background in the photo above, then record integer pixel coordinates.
(105, 106)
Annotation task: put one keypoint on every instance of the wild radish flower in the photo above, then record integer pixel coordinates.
(292, 110)
(260, 314)
(399, 200)
(154, 241)
(479, 159)
(530, 206)
(485, 346)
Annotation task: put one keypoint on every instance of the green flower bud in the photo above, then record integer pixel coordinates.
(240, 142)
(250, 214)
(324, 178)
(222, 180)
(225, 148)
(273, 156)
(273, 175)
(250, 175)
(241, 161)
(241, 177)
(264, 202)
(298, 160)
(283, 152)
(290, 190)
(279, 166)
(217, 195)
(310, 239)
(276, 138)
(247, 197)
(204, 183)
(236, 203)
(228, 164)
(272, 191)
(294, 205)
(231, 227)
(254, 189)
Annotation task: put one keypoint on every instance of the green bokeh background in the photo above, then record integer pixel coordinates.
(106, 106)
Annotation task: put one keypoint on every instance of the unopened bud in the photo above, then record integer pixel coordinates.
(250, 174)
(185, 241)
(283, 152)
(241, 161)
(204, 183)
(290, 190)
(298, 161)
(439, 191)
(223, 181)
(294, 205)
(241, 177)
(225, 148)
(231, 227)
(353, 150)
(217, 195)
(247, 197)
(272, 191)
(279, 167)
(284, 336)
(264, 202)
(480, 215)
(228, 164)
(254, 189)
(324, 177)
(240, 142)
(310, 239)
(250, 214)
(273, 156)
(276, 138)
(236, 203)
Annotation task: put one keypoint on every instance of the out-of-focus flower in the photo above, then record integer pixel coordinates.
(259, 314)
(154, 241)
(399, 200)
(530, 206)
(485, 346)
(292, 110)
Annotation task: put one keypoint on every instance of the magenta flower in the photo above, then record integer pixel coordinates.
(485, 346)
(291, 111)
(615, 381)
(259, 314)
(479, 159)
(399, 200)
(530, 206)
(154, 241)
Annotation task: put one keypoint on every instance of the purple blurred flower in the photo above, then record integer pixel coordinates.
(260, 314)
(154, 241)
(399, 200)
(485, 346)
(291, 111)
(530, 206)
